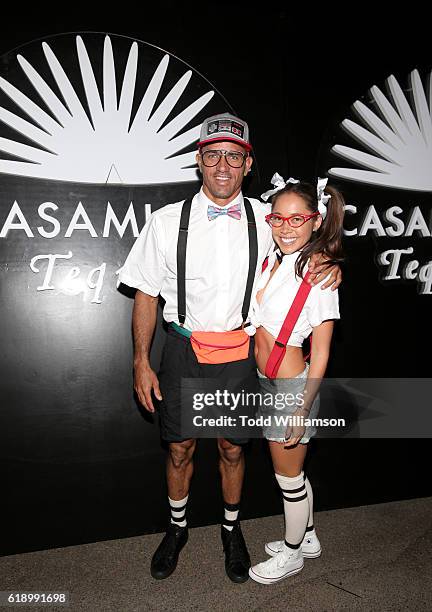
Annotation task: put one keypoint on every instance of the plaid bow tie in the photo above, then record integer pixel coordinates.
(233, 211)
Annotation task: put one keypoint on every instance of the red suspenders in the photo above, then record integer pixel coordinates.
(279, 348)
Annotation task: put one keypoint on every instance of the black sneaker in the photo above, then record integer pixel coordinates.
(237, 560)
(165, 559)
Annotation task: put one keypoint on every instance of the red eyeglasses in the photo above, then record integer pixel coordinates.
(295, 220)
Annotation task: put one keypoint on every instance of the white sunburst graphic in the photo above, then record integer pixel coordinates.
(107, 149)
(401, 145)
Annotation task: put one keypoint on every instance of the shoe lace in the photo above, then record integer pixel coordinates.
(283, 557)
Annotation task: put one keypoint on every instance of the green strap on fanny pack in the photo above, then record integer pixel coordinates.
(181, 330)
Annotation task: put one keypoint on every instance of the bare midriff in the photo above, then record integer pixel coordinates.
(292, 363)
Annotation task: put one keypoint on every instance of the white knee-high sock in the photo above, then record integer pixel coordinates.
(310, 525)
(178, 511)
(296, 509)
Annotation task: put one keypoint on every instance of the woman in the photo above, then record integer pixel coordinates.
(301, 226)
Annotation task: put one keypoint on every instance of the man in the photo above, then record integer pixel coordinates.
(227, 240)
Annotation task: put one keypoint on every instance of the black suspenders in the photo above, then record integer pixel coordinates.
(253, 258)
(181, 259)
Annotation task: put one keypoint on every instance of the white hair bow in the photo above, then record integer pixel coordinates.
(279, 182)
(323, 198)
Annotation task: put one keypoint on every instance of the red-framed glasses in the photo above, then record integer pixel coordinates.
(295, 220)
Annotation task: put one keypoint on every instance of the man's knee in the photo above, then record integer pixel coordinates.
(230, 453)
(181, 453)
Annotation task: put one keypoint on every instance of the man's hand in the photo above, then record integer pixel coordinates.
(319, 270)
(146, 381)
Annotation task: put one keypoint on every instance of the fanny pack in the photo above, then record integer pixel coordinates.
(220, 347)
(216, 347)
(279, 347)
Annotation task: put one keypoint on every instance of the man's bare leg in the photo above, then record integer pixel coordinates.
(231, 467)
(179, 468)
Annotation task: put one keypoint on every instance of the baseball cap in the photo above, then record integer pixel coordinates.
(225, 127)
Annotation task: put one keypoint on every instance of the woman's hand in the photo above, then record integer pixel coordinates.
(319, 270)
(294, 433)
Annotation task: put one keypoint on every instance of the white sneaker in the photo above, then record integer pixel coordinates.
(282, 565)
(311, 547)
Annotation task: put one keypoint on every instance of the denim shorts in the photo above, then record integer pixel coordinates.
(283, 390)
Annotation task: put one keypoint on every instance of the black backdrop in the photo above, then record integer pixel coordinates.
(81, 461)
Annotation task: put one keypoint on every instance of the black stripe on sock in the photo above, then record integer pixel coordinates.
(179, 509)
(178, 520)
(309, 528)
(295, 499)
(293, 546)
(232, 507)
(302, 488)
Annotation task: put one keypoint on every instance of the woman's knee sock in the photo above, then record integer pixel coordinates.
(296, 508)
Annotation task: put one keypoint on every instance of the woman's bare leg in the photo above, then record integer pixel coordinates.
(288, 461)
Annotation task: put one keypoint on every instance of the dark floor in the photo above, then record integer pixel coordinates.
(374, 558)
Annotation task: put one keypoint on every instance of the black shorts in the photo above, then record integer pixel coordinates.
(179, 361)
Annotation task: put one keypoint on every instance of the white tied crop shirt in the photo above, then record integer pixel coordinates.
(217, 262)
(320, 305)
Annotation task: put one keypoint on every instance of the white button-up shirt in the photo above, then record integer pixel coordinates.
(279, 294)
(217, 262)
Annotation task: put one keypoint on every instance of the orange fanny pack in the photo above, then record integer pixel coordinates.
(220, 347)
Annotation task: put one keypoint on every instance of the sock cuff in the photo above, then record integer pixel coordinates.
(232, 507)
(288, 482)
(177, 503)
